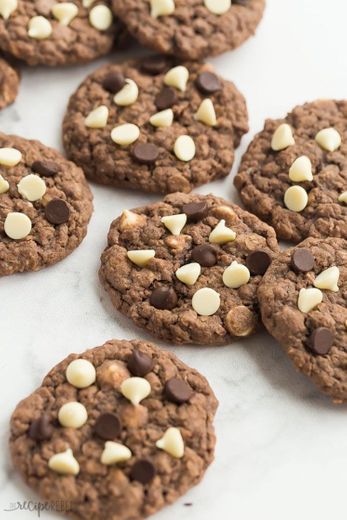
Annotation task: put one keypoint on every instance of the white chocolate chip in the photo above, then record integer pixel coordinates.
(162, 7)
(236, 275)
(4, 185)
(88, 3)
(343, 197)
(64, 463)
(221, 234)
(129, 219)
(282, 138)
(100, 17)
(175, 223)
(65, 12)
(177, 77)
(72, 415)
(114, 453)
(97, 118)
(162, 119)
(189, 273)
(184, 148)
(17, 225)
(125, 134)
(296, 198)
(172, 442)
(80, 373)
(309, 299)
(218, 6)
(135, 389)
(329, 139)
(328, 279)
(206, 301)
(206, 113)
(10, 156)
(7, 7)
(301, 170)
(32, 187)
(141, 257)
(127, 95)
(39, 28)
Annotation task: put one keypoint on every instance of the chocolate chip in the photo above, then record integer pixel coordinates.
(205, 255)
(139, 363)
(177, 391)
(107, 426)
(195, 211)
(240, 2)
(154, 65)
(113, 82)
(163, 298)
(145, 153)
(41, 429)
(302, 260)
(45, 168)
(208, 83)
(258, 262)
(320, 341)
(57, 212)
(143, 471)
(166, 98)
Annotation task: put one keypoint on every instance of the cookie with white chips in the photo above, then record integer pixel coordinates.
(124, 427)
(187, 268)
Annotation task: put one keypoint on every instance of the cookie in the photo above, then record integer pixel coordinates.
(303, 298)
(9, 84)
(125, 428)
(45, 205)
(51, 32)
(294, 173)
(187, 269)
(154, 125)
(191, 29)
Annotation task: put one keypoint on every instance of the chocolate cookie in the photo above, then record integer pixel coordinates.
(155, 125)
(303, 299)
(117, 432)
(51, 32)
(187, 269)
(294, 173)
(45, 205)
(191, 29)
(9, 84)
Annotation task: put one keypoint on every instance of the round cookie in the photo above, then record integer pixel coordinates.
(303, 299)
(155, 125)
(187, 269)
(51, 32)
(191, 29)
(125, 428)
(45, 205)
(9, 84)
(294, 173)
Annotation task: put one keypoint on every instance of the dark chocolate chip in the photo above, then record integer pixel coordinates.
(113, 82)
(177, 391)
(143, 471)
(195, 211)
(57, 212)
(41, 429)
(107, 426)
(205, 255)
(139, 363)
(302, 260)
(154, 65)
(208, 83)
(166, 98)
(240, 2)
(145, 153)
(321, 341)
(163, 298)
(45, 168)
(258, 262)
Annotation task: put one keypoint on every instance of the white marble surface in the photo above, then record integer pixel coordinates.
(281, 445)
